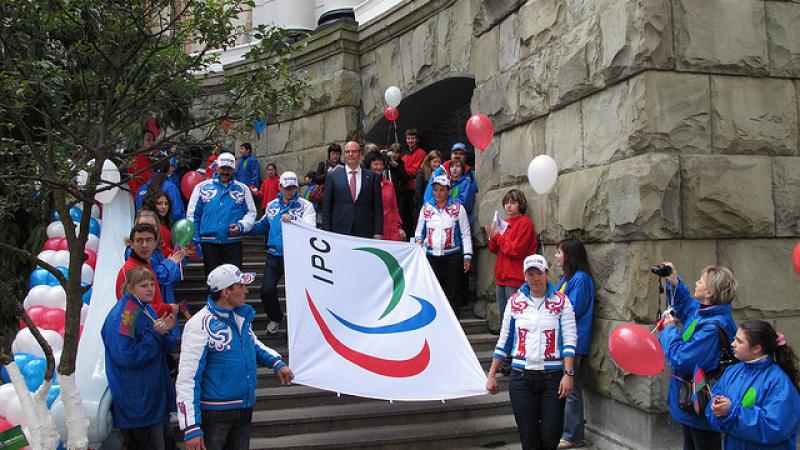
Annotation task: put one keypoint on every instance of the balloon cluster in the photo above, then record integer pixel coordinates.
(45, 304)
(393, 97)
(109, 179)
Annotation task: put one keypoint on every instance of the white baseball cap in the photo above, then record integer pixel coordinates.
(227, 275)
(535, 262)
(289, 179)
(442, 180)
(226, 160)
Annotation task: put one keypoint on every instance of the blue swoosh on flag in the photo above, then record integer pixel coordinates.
(425, 316)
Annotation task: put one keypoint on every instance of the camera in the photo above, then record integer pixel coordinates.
(662, 270)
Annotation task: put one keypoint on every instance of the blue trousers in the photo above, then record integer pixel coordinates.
(573, 413)
(538, 411)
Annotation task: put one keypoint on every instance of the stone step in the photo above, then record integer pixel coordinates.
(372, 413)
(487, 432)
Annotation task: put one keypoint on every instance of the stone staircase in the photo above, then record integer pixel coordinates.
(296, 416)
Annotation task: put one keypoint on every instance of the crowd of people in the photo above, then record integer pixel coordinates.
(405, 193)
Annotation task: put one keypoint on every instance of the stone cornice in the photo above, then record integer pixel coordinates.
(398, 20)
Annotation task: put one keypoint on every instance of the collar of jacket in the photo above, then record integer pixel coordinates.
(289, 202)
(525, 289)
(450, 201)
(715, 310)
(138, 258)
(225, 313)
(760, 364)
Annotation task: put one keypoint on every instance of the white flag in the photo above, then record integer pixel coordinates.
(367, 317)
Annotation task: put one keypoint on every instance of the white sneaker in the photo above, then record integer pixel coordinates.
(272, 327)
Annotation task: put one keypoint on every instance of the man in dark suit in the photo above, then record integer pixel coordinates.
(352, 203)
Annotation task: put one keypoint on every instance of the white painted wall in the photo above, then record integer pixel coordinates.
(371, 9)
(291, 14)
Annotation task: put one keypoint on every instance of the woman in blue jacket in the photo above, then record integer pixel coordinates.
(578, 285)
(697, 344)
(756, 403)
(136, 347)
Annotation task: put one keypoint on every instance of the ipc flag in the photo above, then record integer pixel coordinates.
(368, 318)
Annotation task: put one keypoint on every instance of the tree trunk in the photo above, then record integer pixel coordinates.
(74, 414)
(40, 424)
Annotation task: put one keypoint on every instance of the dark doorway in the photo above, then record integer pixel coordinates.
(439, 111)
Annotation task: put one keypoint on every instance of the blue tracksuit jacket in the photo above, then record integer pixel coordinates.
(771, 420)
(248, 171)
(136, 365)
(215, 206)
(684, 350)
(270, 224)
(217, 370)
(580, 290)
(172, 191)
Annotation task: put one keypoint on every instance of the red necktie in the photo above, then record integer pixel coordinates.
(353, 184)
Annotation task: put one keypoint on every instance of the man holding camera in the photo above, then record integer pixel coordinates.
(708, 328)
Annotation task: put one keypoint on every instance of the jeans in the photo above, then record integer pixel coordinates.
(573, 412)
(449, 271)
(227, 430)
(273, 271)
(538, 411)
(502, 294)
(147, 438)
(215, 255)
(697, 439)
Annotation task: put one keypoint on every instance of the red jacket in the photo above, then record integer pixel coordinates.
(269, 190)
(211, 167)
(157, 303)
(391, 215)
(511, 247)
(412, 161)
(139, 162)
(165, 246)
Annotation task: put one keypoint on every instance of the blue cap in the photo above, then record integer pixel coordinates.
(459, 146)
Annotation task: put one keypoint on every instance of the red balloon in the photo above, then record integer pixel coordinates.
(391, 113)
(636, 350)
(796, 258)
(36, 313)
(54, 319)
(5, 425)
(91, 257)
(63, 244)
(189, 181)
(480, 131)
(52, 244)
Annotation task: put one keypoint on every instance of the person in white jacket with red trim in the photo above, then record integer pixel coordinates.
(540, 334)
(443, 229)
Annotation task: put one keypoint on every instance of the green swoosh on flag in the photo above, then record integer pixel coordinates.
(395, 272)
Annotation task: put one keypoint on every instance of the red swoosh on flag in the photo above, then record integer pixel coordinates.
(387, 367)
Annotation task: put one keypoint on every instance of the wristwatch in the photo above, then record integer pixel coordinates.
(569, 373)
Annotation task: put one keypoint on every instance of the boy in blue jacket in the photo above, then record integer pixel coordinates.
(136, 346)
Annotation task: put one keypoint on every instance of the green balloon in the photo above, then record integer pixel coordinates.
(182, 232)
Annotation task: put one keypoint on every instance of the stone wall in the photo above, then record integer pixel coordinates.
(674, 124)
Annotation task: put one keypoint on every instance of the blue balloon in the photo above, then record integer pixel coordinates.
(55, 216)
(52, 280)
(260, 125)
(87, 296)
(34, 373)
(55, 391)
(39, 276)
(76, 213)
(94, 227)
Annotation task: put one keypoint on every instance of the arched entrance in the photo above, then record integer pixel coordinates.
(439, 111)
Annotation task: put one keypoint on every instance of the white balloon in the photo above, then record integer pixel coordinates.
(57, 358)
(96, 212)
(47, 256)
(14, 414)
(55, 297)
(55, 230)
(54, 339)
(81, 178)
(61, 258)
(110, 175)
(36, 297)
(7, 392)
(87, 274)
(93, 243)
(393, 96)
(84, 313)
(542, 173)
(26, 343)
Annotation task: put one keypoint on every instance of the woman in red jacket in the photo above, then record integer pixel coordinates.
(269, 188)
(511, 240)
(392, 225)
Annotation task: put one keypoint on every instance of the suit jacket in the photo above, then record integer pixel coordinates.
(340, 214)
